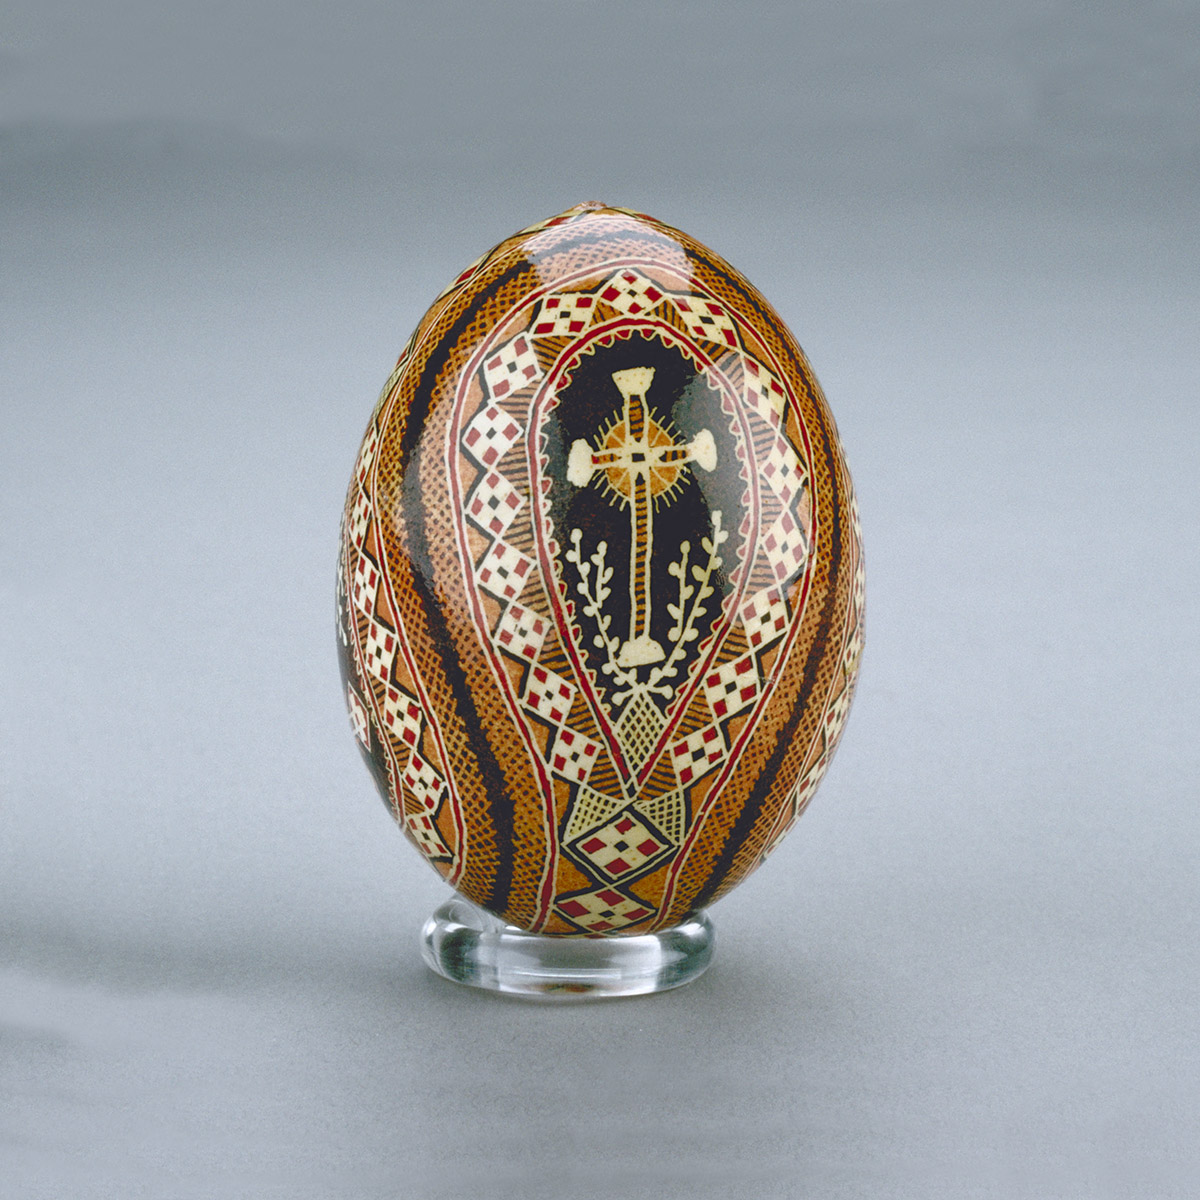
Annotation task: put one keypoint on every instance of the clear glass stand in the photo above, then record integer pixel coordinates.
(464, 943)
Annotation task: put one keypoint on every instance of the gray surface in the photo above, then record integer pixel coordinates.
(973, 968)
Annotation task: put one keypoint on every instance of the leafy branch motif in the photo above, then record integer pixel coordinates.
(594, 599)
(684, 631)
(694, 587)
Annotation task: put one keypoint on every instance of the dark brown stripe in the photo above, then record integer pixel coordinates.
(500, 809)
(740, 830)
(500, 813)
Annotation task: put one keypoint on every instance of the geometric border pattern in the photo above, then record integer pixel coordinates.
(388, 709)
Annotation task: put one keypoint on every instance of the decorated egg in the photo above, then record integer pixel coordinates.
(600, 588)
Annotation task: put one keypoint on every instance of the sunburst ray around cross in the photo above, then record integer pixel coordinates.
(642, 466)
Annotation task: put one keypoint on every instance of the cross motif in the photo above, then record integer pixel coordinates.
(641, 464)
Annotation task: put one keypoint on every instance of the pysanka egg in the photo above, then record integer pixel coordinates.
(600, 585)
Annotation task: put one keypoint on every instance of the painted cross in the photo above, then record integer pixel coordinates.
(641, 464)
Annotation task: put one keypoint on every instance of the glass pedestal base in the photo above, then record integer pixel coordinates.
(464, 943)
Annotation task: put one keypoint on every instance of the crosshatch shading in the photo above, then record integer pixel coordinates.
(600, 590)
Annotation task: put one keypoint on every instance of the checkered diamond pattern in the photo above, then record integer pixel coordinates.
(854, 644)
(835, 718)
(860, 583)
(425, 785)
(365, 586)
(765, 617)
(624, 845)
(379, 652)
(549, 695)
(786, 546)
(490, 434)
(565, 315)
(573, 755)
(366, 458)
(803, 791)
(698, 753)
(513, 367)
(783, 472)
(358, 715)
(494, 503)
(706, 319)
(402, 715)
(631, 293)
(732, 686)
(504, 570)
(425, 833)
(521, 632)
(764, 392)
(603, 910)
(360, 518)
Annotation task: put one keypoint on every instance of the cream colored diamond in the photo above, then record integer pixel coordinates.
(591, 808)
(639, 728)
(665, 812)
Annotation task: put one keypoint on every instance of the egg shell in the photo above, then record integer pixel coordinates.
(600, 588)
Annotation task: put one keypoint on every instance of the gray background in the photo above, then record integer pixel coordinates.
(972, 970)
